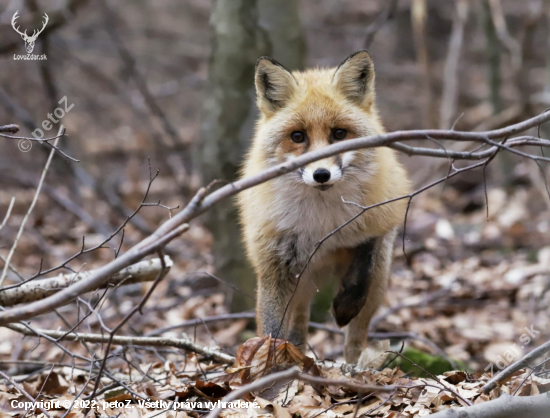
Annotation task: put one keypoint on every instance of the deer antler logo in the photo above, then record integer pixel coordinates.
(29, 40)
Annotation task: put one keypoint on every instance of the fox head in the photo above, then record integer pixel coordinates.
(304, 111)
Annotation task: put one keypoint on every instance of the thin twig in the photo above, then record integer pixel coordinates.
(379, 22)
(161, 274)
(10, 207)
(434, 377)
(183, 344)
(23, 392)
(28, 214)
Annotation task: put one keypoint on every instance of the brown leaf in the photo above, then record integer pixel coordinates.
(210, 390)
(277, 410)
(455, 377)
(258, 356)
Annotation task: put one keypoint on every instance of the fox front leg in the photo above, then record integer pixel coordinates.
(273, 296)
(276, 284)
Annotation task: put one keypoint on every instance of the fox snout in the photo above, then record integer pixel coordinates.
(321, 176)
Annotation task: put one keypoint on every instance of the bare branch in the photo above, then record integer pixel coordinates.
(434, 377)
(504, 407)
(379, 22)
(160, 275)
(23, 392)
(359, 387)
(208, 319)
(27, 215)
(259, 384)
(46, 141)
(144, 271)
(59, 135)
(201, 203)
(101, 245)
(57, 196)
(294, 373)
(514, 367)
(467, 155)
(9, 129)
(7, 216)
(183, 344)
(513, 46)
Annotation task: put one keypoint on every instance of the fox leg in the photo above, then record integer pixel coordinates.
(273, 296)
(299, 321)
(363, 288)
(276, 283)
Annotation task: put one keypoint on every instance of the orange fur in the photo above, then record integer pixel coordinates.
(316, 102)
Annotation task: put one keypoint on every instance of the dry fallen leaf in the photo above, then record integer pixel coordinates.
(259, 356)
(277, 410)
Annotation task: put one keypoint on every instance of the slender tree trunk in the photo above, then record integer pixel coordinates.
(243, 30)
(419, 16)
(281, 20)
(493, 54)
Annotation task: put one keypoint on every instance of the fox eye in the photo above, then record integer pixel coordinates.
(339, 134)
(297, 136)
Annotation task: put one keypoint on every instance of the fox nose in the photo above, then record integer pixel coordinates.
(321, 175)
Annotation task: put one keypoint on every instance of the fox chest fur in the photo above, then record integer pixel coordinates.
(307, 216)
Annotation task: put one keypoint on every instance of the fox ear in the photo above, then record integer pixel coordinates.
(275, 85)
(355, 78)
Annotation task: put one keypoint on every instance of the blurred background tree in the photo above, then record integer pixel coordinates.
(242, 31)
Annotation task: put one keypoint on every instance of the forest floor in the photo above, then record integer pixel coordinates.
(469, 296)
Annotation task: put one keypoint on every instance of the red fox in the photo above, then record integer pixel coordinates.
(284, 218)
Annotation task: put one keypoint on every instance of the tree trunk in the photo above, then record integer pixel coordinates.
(243, 30)
(281, 20)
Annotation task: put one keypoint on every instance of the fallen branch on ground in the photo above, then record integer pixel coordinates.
(257, 385)
(184, 344)
(504, 407)
(294, 373)
(514, 367)
(144, 271)
(314, 325)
